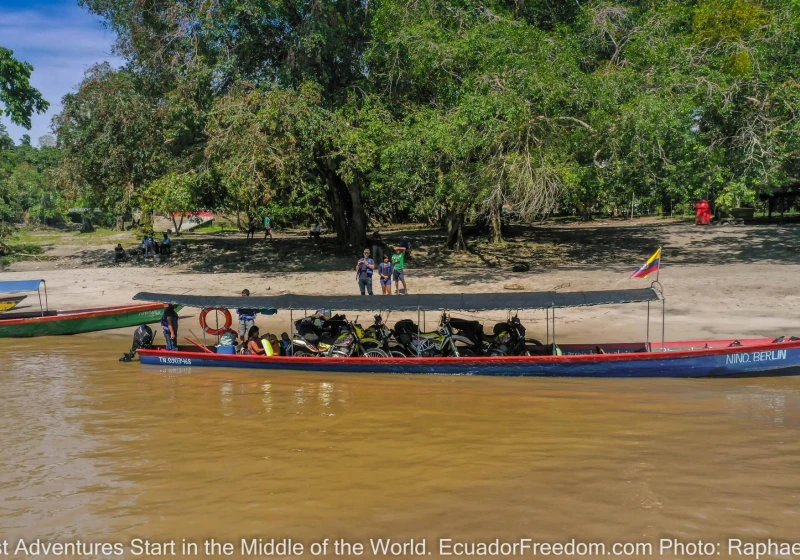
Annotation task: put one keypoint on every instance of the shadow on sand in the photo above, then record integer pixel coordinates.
(591, 246)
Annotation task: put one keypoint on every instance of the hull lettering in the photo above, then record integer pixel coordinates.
(766, 356)
(178, 361)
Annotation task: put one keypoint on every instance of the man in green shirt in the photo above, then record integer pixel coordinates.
(398, 269)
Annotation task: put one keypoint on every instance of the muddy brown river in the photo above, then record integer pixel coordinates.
(97, 451)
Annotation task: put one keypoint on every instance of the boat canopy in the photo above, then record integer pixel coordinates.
(20, 286)
(455, 302)
(27, 286)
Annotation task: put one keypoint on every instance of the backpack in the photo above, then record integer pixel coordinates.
(406, 326)
(228, 339)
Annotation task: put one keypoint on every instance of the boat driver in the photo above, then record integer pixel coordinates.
(169, 324)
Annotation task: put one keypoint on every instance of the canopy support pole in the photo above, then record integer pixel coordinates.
(419, 335)
(554, 327)
(41, 309)
(46, 305)
(547, 323)
(424, 329)
(647, 339)
(290, 350)
(657, 287)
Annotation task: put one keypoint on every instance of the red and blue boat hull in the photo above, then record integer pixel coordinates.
(757, 357)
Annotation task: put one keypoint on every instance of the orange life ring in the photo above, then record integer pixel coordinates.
(220, 331)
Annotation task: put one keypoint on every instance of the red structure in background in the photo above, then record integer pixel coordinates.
(702, 214)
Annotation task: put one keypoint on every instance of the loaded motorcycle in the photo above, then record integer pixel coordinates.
(378, 335)
(442, 342)
(509, 340)
(347, 344)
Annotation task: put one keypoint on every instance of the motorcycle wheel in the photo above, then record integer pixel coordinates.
(303, 354)
(375, 353)
(397, 354)
(466, 353)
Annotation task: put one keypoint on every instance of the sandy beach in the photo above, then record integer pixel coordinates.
(719, 281)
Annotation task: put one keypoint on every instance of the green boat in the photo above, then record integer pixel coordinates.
(73, 321)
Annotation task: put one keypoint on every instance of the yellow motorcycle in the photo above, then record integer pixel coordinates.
(347, 344)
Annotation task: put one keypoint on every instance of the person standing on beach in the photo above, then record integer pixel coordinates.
(268, 227)
(398, 269)
(385, 272)
(251, 228)
(247, 318)
(364, 271)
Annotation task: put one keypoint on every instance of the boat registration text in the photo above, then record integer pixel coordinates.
(767, 356)
(180, 361)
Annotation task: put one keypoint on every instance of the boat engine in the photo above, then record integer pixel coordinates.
(142, 338)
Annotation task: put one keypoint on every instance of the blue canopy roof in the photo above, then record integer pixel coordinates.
(464, 302)
(19, 286)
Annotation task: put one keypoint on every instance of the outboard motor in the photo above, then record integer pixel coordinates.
(142, 338)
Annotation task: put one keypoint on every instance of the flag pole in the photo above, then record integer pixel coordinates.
(660, 254)
(663, 302)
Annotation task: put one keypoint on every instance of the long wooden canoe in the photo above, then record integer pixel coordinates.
(74, 321)
(7, 303)
(697, 358)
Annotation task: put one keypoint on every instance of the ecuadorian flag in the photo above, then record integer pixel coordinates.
(650, 266)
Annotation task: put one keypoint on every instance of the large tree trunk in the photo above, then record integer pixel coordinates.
(495, 226)
(86, 223)
(177, 224)
(455, 236)
(338, 210)
(120, 223)
(347, 208)
(146, 223)
(358, 225)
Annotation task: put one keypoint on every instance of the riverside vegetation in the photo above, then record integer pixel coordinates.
(441, 112)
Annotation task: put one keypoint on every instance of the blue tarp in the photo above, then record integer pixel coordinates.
(19, 286)
(464, 301)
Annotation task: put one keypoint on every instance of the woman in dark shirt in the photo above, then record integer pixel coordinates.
(253, 345)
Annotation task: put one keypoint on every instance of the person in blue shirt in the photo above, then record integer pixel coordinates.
(149, 246)
(247, 318)
(385, 272)
(166, 245)
(169, 324)
(365, 268)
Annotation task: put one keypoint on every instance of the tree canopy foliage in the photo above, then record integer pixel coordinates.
(27, 189)
(436, 110)
(19, 98)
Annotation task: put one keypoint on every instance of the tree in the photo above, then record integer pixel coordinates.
(173, 195)
(26, 187)
(47, 141)
(438, 110)
(112, 139)
(17, 95)
(283, 44)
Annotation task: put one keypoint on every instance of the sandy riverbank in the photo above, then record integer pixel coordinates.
(719, 282)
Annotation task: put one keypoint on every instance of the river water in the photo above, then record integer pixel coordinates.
(101, 451)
